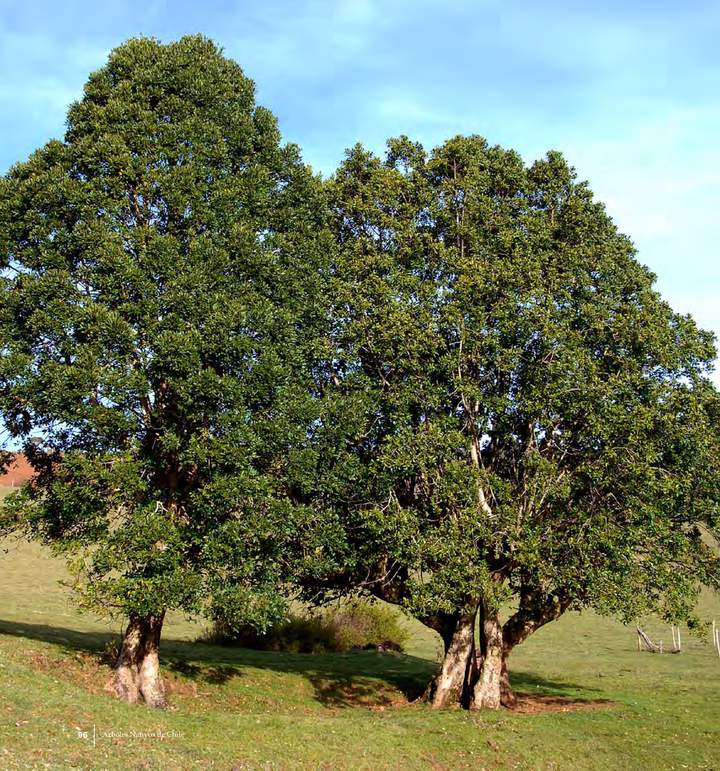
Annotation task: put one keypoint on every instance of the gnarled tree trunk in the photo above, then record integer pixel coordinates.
(137, 670)
(507, 695)
(480, 679)
(487, 689)
(453, 683)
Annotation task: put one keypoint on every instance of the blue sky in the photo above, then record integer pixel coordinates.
(628, 91)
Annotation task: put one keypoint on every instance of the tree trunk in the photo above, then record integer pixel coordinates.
(125, 683)
(488, 688)
(536, 609)
(152, 687)
(452, 684)
(507, 695)
(137, 671)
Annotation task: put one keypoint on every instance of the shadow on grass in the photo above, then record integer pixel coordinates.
(213, 675)
(530, 684)
(360, 678)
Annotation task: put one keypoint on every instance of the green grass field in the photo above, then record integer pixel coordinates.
(239, 709)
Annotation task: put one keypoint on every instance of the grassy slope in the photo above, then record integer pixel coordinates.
(243, 709)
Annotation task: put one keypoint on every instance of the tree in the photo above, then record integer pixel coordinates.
(524, 419)
(158, 306)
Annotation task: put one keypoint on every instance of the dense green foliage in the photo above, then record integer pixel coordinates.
(442, 378)
(523, 416)
(158, 307)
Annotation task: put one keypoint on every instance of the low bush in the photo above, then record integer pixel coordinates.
(356, 625)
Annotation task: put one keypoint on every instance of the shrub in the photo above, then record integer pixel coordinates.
(366, 625)
(356, 625)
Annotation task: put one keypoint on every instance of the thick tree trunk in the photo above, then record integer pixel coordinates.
(152, 687)
(482, 681)
(452, 684)
(125, 683)
(488, 688)
(137, 671)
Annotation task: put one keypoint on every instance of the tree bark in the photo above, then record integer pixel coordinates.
(125, 683)
(137, 670)
(481, 680)
(536, 609)
(507, 695)
(452, 684)
(488, 687)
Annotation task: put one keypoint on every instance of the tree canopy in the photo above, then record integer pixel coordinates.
(439, 377)
(526, 420)
(159, 306)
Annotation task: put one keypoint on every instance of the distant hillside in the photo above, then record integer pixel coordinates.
(17, 473)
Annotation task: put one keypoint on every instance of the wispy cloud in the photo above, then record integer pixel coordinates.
(626, 91)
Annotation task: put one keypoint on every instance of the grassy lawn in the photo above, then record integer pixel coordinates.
(234, 708)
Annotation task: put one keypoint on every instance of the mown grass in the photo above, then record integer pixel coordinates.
(241, 709)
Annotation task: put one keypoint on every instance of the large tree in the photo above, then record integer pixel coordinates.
(158, 306)
(514, 415)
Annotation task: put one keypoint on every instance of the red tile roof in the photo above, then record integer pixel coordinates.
(18, 471)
